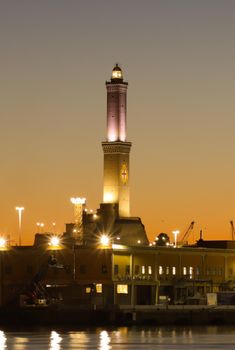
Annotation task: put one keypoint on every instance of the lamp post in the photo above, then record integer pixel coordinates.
(175, 233)
(53, 227)
(20, 210)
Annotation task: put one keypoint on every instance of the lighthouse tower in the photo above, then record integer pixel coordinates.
(116, 148)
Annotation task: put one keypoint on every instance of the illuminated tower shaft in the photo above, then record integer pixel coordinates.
(116, 149)
(78, 215)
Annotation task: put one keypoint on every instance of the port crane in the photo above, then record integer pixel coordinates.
(36, 292)
(183, 239)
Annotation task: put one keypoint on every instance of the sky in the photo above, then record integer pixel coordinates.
(178, 57)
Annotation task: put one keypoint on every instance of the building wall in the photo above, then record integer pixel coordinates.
(98, 276)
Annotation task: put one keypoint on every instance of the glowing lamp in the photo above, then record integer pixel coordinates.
(175, 233)
(3, 243)
(54, 241)
(104, 240)
(116, 72)
(77, 200)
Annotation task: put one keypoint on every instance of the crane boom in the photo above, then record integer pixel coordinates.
(187, 232)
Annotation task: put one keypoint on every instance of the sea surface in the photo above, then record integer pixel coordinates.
(160, 338)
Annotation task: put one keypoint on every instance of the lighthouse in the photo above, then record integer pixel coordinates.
(116, 178)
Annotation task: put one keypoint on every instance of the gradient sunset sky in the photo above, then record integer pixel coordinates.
(178, 57)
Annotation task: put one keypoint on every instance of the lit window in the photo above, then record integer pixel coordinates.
(143, 269)
(98, 288)
(88, 290)
(167, 270)
(122, 289)
(191, 271)
(173, 270)
(160, 270)
(150, 270)
(184, 270)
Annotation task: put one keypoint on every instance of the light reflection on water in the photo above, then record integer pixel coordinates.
(3, 340)
(122, 338)
(55, 341)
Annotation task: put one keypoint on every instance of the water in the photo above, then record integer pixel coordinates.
(121, 338)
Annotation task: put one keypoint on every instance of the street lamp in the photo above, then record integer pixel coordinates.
(104, 240)
(175, 233)
(53, 227)
(54, 242)
(20, 210)
(3, 243)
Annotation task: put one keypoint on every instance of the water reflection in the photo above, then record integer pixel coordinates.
(78, 338)
(55, 340)
(139, 338)
(3, 340)
(104, 341)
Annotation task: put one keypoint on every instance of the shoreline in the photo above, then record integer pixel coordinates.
(138, 316)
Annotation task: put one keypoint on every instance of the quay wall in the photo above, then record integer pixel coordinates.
(119, 317)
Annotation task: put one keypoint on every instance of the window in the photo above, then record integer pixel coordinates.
(191, 272)
(150, 270)
(167, 270)
(115, 269)
(160, 270)
(122, 289)
(127, 269)
(98, 288)
(173, 270)
(88, 290)
(197, 271)
(184, 270)
(143, 269)
(137, 269)
(104, 269)
(82, 269)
